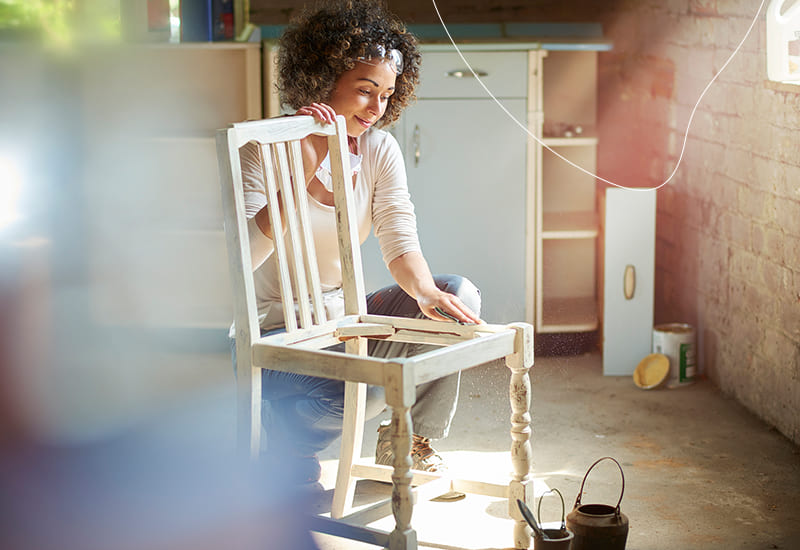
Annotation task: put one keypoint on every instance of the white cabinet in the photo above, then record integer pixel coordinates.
(492, 203)
(465, 161)
(157, 249)
(628, 278)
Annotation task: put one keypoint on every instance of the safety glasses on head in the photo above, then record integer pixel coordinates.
(377, 54)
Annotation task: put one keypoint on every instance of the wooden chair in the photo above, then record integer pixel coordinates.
(301, 348)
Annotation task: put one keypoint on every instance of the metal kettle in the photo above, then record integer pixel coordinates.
(598, 526)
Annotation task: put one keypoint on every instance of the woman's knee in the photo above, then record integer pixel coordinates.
(462, 287)
(376, 402)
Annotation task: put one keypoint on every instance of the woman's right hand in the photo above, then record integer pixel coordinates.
(320, 111)
(315, 148)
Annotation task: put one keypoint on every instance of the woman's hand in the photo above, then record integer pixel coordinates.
(443, 306)
(412, 273)
(315, 148)
(320, 111)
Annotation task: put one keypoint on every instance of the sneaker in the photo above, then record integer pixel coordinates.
(423, 456)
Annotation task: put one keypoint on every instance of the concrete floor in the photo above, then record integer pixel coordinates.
(700, 471)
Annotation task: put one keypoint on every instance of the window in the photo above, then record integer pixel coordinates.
(783, 41)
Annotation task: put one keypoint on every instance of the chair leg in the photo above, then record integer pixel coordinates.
(403, 537)
(248, 403)
(355, 399)
(521, 485)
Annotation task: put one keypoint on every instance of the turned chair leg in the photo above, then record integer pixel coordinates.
(403, 537)
(521, 485)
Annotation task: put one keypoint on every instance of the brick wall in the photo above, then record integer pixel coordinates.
(728, 223)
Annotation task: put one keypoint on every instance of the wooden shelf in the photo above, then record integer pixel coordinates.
(578, 314)
(570, 141)
(569, 225)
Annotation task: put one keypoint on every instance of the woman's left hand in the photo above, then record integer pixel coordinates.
(443, 306)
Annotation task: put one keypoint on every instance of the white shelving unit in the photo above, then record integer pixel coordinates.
(566, 212)
(157, 248)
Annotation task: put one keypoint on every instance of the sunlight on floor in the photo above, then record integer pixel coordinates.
(476, 522)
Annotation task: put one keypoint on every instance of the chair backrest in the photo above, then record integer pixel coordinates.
(282, 164)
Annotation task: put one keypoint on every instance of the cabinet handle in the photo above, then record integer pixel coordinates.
(416, 146)
(629, 282)
(464, 74)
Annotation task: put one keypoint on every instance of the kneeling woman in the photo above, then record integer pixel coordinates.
(356, 60)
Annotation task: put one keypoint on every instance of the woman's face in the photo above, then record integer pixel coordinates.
(362, 94)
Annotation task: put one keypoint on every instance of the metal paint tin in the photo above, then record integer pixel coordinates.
(678, 342)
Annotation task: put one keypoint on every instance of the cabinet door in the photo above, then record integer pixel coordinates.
(628, 279)
(466, 173)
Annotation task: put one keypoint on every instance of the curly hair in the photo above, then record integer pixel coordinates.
(321, 44)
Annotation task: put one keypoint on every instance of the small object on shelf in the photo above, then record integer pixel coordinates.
(561, 129)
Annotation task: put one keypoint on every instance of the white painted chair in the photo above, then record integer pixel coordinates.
(301, 348)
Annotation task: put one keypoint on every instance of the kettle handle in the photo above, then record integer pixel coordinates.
(622, 491)
(539, 508)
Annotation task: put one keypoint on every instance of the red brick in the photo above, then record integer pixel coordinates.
(757, 236)
(713, 266)
(790, 186)
(722, 224)
(789, 312)
(745, 67)
(745, 9)
(775, 244)
(740, 232)
(791, 253)
(742, 135)
(701, 64)
(753, 203)
(768, 174)
(724, 190)
(739, 99)
(787, 216)
(774, 277)
(744, 332)
(703, 7)
(780, 349)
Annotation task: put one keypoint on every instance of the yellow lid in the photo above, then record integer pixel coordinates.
(651, 371)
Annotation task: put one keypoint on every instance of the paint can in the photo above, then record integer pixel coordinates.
(678, 342)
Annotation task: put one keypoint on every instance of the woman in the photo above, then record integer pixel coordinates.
(356, 60)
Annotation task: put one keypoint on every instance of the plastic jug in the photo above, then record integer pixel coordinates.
(783, 41)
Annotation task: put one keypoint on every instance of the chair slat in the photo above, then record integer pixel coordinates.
(287, 299)
(286, 177)
(312, 267)
(355, 301)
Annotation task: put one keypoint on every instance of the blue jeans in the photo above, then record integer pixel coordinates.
(304, 413)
